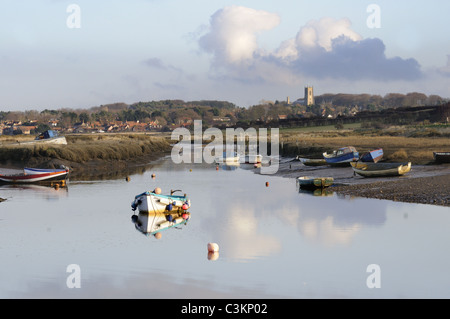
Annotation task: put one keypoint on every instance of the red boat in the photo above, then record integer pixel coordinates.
(36, 176)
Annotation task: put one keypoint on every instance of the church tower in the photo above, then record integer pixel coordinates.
(309, 95)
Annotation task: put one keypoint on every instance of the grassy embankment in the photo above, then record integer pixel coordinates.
(414, 144)
(105, 151)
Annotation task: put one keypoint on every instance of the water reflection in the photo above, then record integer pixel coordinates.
(321, 244)
(48, 192)
(316, 192)
(228, 166)
(153, 224)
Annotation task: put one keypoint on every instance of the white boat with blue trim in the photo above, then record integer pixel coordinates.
(155, 202)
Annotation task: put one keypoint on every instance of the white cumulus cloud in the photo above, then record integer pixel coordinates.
(323, 48)
(232, 36)
(322, 32)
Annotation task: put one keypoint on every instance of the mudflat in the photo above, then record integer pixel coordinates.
(424, 184)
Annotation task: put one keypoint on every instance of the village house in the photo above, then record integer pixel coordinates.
(26, 129)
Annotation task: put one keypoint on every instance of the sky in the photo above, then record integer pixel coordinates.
(78, 54)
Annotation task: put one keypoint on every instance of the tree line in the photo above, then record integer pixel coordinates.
(212, 112)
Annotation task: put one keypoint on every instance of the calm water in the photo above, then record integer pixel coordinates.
(275, 242)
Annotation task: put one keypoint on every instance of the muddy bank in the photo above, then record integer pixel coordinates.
(89, 157)
(424, 184)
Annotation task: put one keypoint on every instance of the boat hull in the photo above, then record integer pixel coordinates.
(381, 169)
(154, 203)
(253, 159)
(29, 170)
(314, 182)
(441, 157)
(343, 156)
(34, 178)
(373, 156)
(312, 161)
(35, 175)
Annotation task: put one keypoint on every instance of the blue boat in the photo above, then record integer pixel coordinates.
(372, 156)
(342, 156)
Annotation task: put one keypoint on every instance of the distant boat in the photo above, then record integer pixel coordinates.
(48, 137)
(372, 156)
(52, 137)
(253, 159)
(381, 169)
(151, 202)
(312, 161)
(314, 182)
(441, 157)
(228, 159)
(342, 156)
(36, 176)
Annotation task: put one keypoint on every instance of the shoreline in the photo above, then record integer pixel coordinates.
(117, 156)
(424, 184)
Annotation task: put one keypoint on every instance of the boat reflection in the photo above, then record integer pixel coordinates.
(152, 224)
(316, 192)
(228, 166)
(48, 191)
(213, 255)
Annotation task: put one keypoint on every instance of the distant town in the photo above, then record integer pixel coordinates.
(167, 115)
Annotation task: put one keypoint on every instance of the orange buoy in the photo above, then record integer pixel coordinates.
(157, 190)
(153, 175)
(158, 235)
(213, 247)
(267, 184)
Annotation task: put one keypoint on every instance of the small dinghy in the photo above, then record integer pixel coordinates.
(36, 175)
(312, 161)
(342, 156)
(155, 202)
(314, 182)
(381, 169)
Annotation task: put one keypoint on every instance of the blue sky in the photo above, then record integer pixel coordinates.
(239, 51)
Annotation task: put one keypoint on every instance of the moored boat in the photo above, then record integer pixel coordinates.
(30, 176)
(155, 202)
(312, 161)
(372, 156)
(228, 159)
(441, 157)
(314, 182)
(381, 169)
(253, 159)
(48, 137)
(342, 156)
